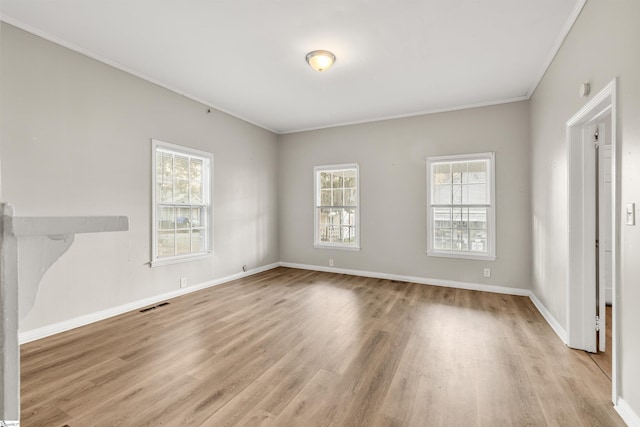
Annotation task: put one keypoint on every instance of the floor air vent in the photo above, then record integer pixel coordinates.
(144, 310)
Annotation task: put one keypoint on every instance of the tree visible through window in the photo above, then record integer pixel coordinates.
(460, 206)
(336, 206)
(181, 200)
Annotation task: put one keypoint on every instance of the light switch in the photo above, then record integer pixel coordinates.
(631, 214)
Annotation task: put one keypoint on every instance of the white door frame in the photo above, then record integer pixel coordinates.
(581, 225)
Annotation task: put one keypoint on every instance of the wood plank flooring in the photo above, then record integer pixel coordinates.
(298, 348)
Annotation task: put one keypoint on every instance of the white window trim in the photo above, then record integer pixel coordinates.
(176, 259)
(340, 246)
(491, 220)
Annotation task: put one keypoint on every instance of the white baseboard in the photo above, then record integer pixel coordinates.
(555, 325)
(627, 414)
(76, 322)
(414, 279)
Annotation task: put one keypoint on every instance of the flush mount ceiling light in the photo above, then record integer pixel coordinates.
(320, 60)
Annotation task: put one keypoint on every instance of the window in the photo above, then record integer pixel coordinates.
(461, 206)
(181, 203)
(337, 207)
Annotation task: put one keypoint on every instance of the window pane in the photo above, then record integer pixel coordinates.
(337, 198)
(166, 243)
(197, 240)
(477, 194)
(442, 194)
(347, 234)
(181, 168)
(456, 198)
(196, 170)
(442, 239)
(342, 217)
(167, 168)
(442, 174)
(337, 180)
(183, 242)
(460, 240)
(325, 180)
(460, 218)
(442, 217)
(181, 193)
(159, 172)
(196, 192)
(334, 233)
(196, 217)
(325, 197)
(324, 216)
(478, 240)
(329, 233)
(166, 218)
(334, 216)
(478, 171)
(350, 217)
(350, 197)
(478, 218)
(323, 233)
(164, 192)
(183, 220)
(457, 172)
(350, 179)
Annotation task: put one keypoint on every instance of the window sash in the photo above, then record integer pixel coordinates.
(461, 237)
(336, 225)
(467, 180)
(336, 191)
(181, 213)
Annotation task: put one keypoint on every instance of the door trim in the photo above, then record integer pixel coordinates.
(581, 217)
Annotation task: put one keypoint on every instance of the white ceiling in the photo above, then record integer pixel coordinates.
(247, 57)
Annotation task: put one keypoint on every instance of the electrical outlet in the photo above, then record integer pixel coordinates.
(183, 282)
(330, 262)
(487, 272)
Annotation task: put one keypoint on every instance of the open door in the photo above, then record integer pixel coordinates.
(604, 230)
(583, 300)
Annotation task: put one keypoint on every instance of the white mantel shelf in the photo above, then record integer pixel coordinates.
(59, 226)
(28, 247)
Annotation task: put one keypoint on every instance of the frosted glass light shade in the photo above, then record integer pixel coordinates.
(320, 60)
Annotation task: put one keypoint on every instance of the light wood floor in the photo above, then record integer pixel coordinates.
(297, 348)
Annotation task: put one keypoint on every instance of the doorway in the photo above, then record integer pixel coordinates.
(601, 140)
(592, 226)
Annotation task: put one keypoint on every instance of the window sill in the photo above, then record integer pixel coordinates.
(461, 256)
(338, 247)
(179, 259)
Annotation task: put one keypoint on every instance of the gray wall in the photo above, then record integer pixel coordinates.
(76, 140)
(603, 44)
(392, 156)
